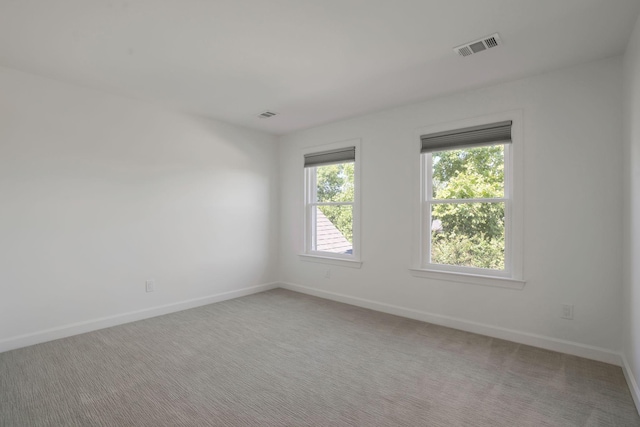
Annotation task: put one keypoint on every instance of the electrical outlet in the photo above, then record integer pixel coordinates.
(150, 285)
(327, 275)
(567, 311)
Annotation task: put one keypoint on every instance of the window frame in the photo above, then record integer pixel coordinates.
(512, 275)
(310, 188)
(428, 201)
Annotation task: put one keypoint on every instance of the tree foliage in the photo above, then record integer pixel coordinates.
(471, 234)
(469, 251)
(335, 183)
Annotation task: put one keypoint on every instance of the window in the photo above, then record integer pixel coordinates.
(467, 200)
(331, 226)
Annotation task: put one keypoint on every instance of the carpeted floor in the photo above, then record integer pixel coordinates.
(280, 358)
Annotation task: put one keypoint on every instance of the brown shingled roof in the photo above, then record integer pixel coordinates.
(328, 237)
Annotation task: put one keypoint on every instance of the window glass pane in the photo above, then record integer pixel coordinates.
(334, 229)
(335, 182)
(469, 173)
(468, 234)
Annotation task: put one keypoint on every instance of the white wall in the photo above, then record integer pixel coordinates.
(572, 204)
(99, 193)
(631, 221)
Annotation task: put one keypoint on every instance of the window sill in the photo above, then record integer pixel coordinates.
(329, 260)
(473, 279)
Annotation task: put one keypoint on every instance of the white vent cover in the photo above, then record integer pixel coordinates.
(478, 45)
(267, 114)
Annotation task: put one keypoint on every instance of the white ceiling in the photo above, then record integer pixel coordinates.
(312, 61)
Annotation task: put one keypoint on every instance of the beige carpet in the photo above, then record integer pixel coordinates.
(285, 359)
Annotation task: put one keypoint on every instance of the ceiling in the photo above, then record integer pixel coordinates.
(311, 61)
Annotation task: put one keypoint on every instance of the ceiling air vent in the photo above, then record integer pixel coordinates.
(478, 45)
(266, 114)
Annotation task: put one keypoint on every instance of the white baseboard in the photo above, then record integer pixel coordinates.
(563, 346)
(631, 380)
(118, 319)
(554, 344)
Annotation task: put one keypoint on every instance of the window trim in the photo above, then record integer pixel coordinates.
(321, 256)
(428, 201)
(512, 276)
(474, 279)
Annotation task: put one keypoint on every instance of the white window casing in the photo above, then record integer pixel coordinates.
(512, 275)
(327, 154)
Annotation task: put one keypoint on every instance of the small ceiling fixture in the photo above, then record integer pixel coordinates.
(479, 45)
(267, 115)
